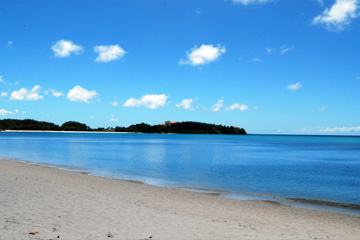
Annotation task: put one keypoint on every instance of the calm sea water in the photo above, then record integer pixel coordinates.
(312, 167)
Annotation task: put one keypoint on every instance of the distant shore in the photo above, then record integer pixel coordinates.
(30, 131)
(187, 127)
(39, 202)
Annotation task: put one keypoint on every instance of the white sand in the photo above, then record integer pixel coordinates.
(54, 203)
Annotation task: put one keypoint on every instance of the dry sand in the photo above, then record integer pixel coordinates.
(58, 204)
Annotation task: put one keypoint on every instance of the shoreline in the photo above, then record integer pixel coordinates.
(46, 131)
(304, 203)
(51, 202)
(248, 134)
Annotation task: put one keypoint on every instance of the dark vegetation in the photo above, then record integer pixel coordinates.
(75, 126)
(181, 127)
(27, 124)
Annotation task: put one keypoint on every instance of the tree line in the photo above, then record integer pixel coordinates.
(181, 127)
(29, 124)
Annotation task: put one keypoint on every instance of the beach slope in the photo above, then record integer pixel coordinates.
(39, 202)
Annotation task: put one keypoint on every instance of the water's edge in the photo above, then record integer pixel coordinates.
(346, 208)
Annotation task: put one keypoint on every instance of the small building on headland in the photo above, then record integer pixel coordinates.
(169, 123)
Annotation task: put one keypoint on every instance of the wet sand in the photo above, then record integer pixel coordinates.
(39, 202)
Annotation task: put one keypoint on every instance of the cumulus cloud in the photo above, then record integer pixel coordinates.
(217, 106)
(109, 53)
(295, 86)
(340, 129)
(339, 15)
(235, 106)
(113, 120)
(185, 104)
(203, 55)
(27, 95)
(114, 103)
(56, 93)
(64, 48)
(304, 130)
(7, 83)
(4, 112)
(330, 130)
(149, 101)
(247, 2)
(80, 94)
(4, 94)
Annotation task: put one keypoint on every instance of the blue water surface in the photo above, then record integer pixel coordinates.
(313, 167)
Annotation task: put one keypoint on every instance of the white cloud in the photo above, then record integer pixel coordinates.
(4, 112)
(64, 48)
(320, 2)
(149, 101)
(320, 129)
(113, 120)
(218, 106)
(256, 107)
(109, 53)
(24, 94)
(285, 48)
(256, 60)
(321, 108)
(115, 104)
(295, 86)
(304, 130)
(10, 44)
(185, 104)
(81, 94)
(235, 106)
(339, 15)
(270, 50)
(340, 129)
(4, 94)
(198, 12)
(56, 94)
(2, 80)
(246, 2)
(282, 49)
(203, 55)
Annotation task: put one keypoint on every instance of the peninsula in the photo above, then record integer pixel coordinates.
(168, 127)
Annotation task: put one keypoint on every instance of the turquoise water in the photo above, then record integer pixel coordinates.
(312, 167)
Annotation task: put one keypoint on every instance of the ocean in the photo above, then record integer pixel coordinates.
(325, 168)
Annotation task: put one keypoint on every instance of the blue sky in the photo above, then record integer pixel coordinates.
(269, 66)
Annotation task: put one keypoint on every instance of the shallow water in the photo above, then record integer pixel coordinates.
(312, 167)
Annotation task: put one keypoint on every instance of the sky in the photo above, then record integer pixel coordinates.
(268, 66)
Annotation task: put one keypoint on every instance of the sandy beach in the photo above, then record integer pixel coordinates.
(38, 202)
